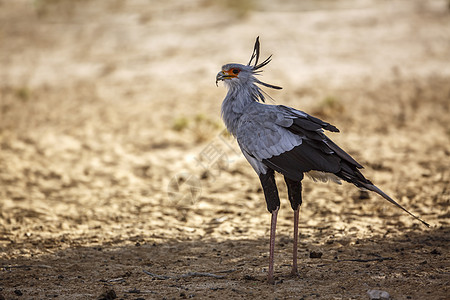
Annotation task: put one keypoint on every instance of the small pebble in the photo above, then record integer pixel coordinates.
(314, 254)
(378, 295)
(249, 277)
(108, 295)
(435, 252)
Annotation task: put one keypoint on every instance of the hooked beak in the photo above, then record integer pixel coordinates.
(220, 76)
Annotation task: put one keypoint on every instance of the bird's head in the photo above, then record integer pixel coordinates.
(235, 75)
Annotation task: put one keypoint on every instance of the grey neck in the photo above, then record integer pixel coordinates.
(234, 104)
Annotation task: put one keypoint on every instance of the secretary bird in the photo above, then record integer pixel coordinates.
(283, 139)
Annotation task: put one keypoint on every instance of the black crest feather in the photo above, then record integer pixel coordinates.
(256, 66)
(255, 54)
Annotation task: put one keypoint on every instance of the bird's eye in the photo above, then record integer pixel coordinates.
(235, 71)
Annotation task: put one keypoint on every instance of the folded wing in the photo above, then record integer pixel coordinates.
(292, 142)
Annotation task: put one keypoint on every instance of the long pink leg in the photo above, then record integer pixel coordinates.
(294, 271)
(273, 228)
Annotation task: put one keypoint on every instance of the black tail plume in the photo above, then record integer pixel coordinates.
(375, 189)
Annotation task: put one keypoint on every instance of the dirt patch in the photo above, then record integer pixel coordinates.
(117, 177)
(409, 265)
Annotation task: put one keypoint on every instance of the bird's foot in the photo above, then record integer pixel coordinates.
(294, 272)
(270, 280)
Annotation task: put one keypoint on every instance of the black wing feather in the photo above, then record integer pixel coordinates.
(342, 154)
(306, 121)
(301, 159)
(317, 152)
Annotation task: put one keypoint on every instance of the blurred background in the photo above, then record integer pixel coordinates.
(114, 159)
(110, 123)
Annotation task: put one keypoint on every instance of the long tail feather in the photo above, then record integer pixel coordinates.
(375, 189)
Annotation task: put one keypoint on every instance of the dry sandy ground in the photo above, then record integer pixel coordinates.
(116, 177)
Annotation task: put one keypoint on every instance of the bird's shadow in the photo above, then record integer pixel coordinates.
(209, 267)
